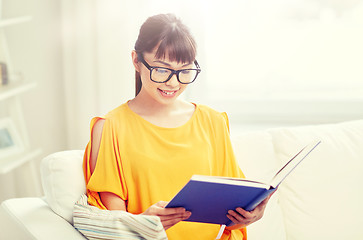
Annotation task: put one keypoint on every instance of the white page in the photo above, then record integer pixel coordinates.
(290, 165)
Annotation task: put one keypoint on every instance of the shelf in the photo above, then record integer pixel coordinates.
(11, 94)
(13, 89)
(12, 162)
(13, 21)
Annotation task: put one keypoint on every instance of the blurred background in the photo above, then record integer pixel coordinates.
(266, 63)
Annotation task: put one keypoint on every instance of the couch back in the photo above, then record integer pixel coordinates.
(319, 200)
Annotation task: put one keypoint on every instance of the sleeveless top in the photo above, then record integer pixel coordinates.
(143, 163)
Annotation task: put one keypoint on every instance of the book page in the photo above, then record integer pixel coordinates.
(231, 181)
(290, 165)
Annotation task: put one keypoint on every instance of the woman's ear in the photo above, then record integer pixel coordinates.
(135, 61)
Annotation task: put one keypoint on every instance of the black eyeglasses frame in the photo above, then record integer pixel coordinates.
(176, 72)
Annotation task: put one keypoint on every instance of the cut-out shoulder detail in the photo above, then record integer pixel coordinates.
(96, 140)
(110, 200)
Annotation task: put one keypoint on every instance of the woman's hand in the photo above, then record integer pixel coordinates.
(168, 216)
(242, 218)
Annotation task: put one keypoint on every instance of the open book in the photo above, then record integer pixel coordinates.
(209, 198)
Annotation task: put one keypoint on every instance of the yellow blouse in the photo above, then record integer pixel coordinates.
(143, 163)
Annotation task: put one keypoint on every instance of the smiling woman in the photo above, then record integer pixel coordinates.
(171, 39)
(265, 62)
(146, 149)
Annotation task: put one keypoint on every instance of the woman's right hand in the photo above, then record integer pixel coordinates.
(168, 216)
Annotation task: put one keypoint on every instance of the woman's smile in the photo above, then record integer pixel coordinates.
(168, 93)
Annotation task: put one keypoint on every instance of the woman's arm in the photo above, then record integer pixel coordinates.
(110, 200)
(168, 216)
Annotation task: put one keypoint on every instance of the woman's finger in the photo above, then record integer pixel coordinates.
(170, 220)
(161, 204)
(168, 216)
(237, 217)
(244, 213)
(168, 211)
(181, 216)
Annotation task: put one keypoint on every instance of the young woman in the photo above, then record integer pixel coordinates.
(143, 152)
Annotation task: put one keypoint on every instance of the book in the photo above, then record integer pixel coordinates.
(209, 198)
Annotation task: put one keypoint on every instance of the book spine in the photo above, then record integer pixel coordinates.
(254, 203)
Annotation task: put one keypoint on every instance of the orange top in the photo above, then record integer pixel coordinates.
(143, 163)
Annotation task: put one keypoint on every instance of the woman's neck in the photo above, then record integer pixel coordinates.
(170, 115)
(150, 107)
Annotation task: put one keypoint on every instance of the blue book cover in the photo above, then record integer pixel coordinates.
(210, 198)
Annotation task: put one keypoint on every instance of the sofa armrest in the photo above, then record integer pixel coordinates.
(32, 218)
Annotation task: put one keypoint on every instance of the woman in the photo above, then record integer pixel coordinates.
(143, 152)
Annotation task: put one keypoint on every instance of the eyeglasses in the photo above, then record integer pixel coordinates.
(162, 75)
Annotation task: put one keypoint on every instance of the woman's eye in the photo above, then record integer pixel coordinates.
(185, 72)
(161, 70)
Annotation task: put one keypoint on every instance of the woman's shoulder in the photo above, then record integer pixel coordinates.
(210, 112)
(117, 113)
(213, 118)
(115, 116)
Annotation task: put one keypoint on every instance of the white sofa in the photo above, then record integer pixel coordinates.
(322, 199)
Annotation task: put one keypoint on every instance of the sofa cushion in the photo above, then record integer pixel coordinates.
(255, 154)
(321, 199)
(32, 218)
(63, 181)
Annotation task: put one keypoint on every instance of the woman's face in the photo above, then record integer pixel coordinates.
(164, 93)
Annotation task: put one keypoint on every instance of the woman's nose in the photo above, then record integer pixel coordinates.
(173, 81)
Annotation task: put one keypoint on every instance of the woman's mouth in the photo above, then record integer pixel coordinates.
(167, 93)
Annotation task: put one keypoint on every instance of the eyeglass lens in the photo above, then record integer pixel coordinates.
(163, 74)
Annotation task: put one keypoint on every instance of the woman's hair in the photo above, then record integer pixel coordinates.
(170, 36)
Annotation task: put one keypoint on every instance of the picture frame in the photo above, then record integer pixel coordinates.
(10, 140)
(4, 80)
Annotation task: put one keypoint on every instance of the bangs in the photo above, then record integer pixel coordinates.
(169, 38)
(178, 46)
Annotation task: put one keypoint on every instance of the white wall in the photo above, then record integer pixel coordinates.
(284, 62)
(35, 49)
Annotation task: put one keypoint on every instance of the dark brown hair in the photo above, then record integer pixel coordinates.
(170, 35)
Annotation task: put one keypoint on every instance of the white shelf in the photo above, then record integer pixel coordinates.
(13, 21)
(12, 162)
(13, 89)
(11, 93)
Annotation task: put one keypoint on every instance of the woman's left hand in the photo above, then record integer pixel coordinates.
(241, 218)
